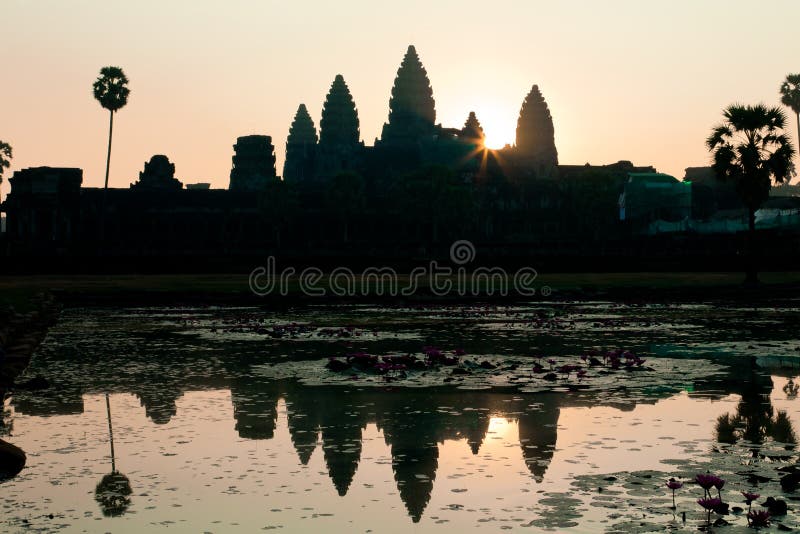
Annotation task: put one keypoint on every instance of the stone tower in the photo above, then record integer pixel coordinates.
(301, 148)
(158, 175)
(253, 163)
(536, 146)
(472, 132)
(412, 111)
(339, 144)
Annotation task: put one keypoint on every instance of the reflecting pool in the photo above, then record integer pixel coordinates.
(227, 419)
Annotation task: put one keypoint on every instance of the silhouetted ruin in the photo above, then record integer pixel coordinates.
(253, 163)
(158, 175)
(419, 188)
(536, 144)
(412, 112)
(339, 145)
(472, 131)
(301, 148)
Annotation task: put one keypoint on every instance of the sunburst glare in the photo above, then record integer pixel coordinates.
(499, 123)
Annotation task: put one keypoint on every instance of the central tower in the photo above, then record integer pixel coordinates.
(412, 112)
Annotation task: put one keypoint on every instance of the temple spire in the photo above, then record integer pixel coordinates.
(535, 133)
(301, 147)
(412, 111)
(339, 146)
(472, 130)
(339, 125)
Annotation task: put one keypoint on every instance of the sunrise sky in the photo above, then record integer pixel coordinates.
(637, 80)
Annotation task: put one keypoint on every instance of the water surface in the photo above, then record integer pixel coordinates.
(215, 431)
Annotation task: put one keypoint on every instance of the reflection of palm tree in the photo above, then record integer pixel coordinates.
(6, 424)
(112, 493)
(791, 389)
(755, 418)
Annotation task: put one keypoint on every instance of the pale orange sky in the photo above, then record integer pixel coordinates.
(643, 81)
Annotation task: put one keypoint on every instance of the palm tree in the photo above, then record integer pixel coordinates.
(5, 158)
(790, 97)
(110, 89)
(751, 150)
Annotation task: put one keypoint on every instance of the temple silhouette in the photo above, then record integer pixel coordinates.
(420, 186)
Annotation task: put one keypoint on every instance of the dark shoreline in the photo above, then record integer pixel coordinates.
(20, 336)
(772, 295)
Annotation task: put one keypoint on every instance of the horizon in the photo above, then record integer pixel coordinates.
(655, 104)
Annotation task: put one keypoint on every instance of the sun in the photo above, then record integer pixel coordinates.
(499, 123)
(496, 143)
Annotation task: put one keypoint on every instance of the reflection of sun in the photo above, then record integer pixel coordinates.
(499, 427)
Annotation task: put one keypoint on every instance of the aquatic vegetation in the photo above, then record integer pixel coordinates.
(758, 519)
(749, 497)
(775, 506)
(433, 358)
(710, 504)
(632, 406)
(433, 366)
(674, 485)
(707, 481)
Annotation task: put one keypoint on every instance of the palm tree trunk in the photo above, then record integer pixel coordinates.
(108, 156)
(105, 185)
(751, 276)
(798, 134)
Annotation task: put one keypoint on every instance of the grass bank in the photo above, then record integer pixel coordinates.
(118, 289)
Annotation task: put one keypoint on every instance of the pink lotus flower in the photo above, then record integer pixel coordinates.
(674, 484)
(750, 497)
(709, 503)
(757, 519)
(706, 481)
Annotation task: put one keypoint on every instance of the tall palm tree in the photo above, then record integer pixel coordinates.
(5, 158)
(790, 97)
(111, 90)
(751, 150)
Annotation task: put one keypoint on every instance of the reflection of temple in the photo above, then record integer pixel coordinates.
(414, 422)
(537, 437)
